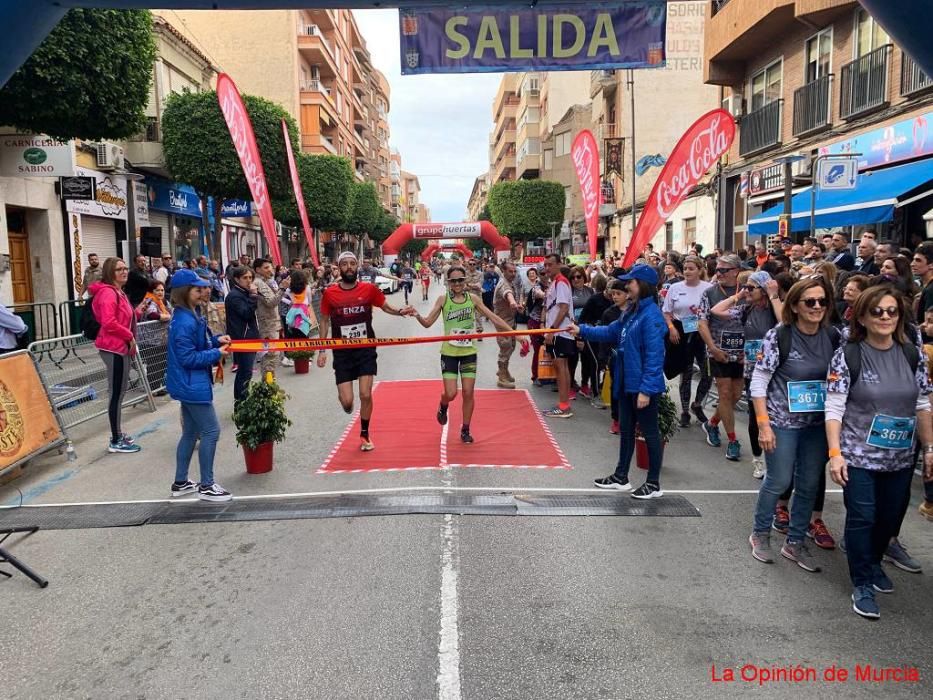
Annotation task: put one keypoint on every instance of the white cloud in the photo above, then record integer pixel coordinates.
(439, 123)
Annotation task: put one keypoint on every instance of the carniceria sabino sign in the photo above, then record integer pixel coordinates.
(36, 155)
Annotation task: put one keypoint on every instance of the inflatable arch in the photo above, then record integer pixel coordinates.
(434, 248)
(438, 232)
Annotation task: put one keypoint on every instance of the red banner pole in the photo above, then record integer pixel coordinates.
(585, 155)
(299, 195)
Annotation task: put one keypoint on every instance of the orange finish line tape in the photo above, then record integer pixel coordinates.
(348, 343)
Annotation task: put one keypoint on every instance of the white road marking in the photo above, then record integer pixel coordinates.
(398, 489)
(448, 650)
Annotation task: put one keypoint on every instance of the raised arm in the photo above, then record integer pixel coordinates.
(431, 318)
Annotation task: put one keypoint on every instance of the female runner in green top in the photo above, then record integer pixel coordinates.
(458, 357)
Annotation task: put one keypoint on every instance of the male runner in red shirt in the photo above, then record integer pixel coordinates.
(347, 307)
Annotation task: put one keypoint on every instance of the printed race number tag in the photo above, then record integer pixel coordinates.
(690, 323)
(356, 330)
(731, 340)
(891, 432)
(752, 348)
(806, 397)
(468, 343)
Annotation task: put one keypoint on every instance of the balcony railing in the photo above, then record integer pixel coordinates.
(606, 131)
(761, 129)
(314, 86)
(314, 30)
(865, 83)
(152, 133)
(811, 106)
(913, 79)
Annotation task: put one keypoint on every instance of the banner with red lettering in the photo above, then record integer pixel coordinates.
(585, 155)
(698, 149)
(244, 141)
(299, 196)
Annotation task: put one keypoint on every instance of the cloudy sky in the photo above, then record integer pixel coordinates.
(440, 123)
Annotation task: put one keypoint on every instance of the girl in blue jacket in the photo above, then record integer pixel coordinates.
(638, 378)
(192, 352)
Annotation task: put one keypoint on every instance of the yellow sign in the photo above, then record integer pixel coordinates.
(27, 423)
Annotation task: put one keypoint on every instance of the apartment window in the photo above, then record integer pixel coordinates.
(818, 52)
(562, 144)
(868, 34)
(568, 195)
(690, 232)
(339, 102)
(549, 159)
(668, 236)
(766, 85)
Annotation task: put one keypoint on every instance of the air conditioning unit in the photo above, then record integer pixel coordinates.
(733, 104)
(109, 156)
(802, 168)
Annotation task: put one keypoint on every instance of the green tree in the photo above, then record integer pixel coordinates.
(414, 247)
(365, 210)
(521, 210)
(326, 183)
(89, 79)
(199, 151)
(384, 227)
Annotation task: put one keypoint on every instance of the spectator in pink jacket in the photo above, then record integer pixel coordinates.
(116, 342)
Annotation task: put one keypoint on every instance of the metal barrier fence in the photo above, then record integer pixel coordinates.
(40, 319)
(69, 316)
(76, 378)
(152, 340)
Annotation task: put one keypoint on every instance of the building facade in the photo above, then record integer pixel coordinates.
(809, 78)
(502, 147)
(479, 195)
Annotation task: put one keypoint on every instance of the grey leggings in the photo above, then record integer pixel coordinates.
(118, 376)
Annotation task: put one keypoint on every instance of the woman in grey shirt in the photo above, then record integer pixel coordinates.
(878, 383)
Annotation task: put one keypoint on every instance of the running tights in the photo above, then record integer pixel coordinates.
(696, 353)
(753, 424)
(590, 368)
(118, 376)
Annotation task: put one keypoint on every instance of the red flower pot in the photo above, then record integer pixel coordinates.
(302, 366)
(258, 461)
(641, 453)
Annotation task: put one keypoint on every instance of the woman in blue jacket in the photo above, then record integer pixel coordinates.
(638, 377)
(192, 352)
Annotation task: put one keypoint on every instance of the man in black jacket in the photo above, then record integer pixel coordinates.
(137, 284)
(840, 256)
(240, 307)
(866, 253)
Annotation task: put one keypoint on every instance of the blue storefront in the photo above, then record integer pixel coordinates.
(176, 209)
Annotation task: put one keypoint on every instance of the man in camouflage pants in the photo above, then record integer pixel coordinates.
(506, 301)
(474, 285)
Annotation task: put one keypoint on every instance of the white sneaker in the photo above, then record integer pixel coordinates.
(286, 362)
(758, 470)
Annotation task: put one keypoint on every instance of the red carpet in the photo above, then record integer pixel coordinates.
(507, 427)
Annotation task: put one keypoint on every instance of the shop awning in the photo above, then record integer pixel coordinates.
(875, 197)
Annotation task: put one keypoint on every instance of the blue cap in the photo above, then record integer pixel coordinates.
(188, 278)
(645, 273)
(761, 278)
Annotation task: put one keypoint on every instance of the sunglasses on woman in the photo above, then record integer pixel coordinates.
(577, 277)
(456, 280)
(750, 287)
(813, 303)
(879, 311)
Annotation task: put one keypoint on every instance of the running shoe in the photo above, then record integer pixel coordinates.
(819, 533)
(761, 546)
(797, 552)
(734, 451)
(127, 438)
(685, 419)
(781, 520)
(442, 414)
(597, 402)
(122, 445)
(614, 427)
(896, 553)
(697, 409)
(647, 490)
(880, 580)
(288, 362)
(366, 445)
(613, 482)
(214, 493)
(863, 602)
(557, 412)
(712, 434)
(926, 509)
(465, 437)
(573, 395)
(180, 488)
(758, 468)
(586, 392)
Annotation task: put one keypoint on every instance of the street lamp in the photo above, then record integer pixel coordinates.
(788, 162)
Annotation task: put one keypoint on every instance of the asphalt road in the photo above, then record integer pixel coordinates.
(432, 606)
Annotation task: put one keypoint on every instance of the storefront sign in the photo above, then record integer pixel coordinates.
(36, 155)
(77, 188)
(585, 156)
(904, 140)
(28, 425)
(698, 149)
(110, 200)
(236, 208)
(140, 204)
(436, 231)
(173, 197)
(768, 179)
(622, 35)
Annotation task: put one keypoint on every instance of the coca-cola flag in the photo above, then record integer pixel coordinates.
(244, 141)
(702, 145)
(299, 196)
(585, 155)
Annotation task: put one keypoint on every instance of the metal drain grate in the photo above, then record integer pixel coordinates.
(341, 506)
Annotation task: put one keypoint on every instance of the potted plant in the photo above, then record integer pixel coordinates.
(261, 421)
(667, 425)
(302, 359)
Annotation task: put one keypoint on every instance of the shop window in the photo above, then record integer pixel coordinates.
(690, 232)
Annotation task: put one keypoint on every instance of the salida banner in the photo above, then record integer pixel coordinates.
(585, 156)
(467, 40)
(244, 141)
(702, 145)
